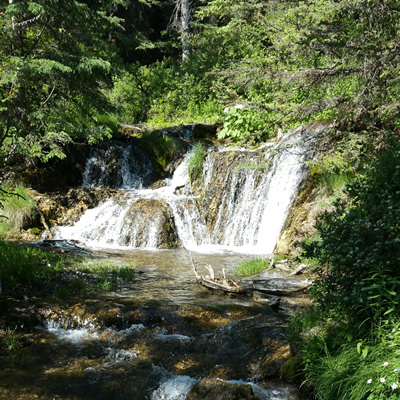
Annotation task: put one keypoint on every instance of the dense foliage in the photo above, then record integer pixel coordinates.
(63, 65)
(359, 248)
(345, 339)
(54, 66)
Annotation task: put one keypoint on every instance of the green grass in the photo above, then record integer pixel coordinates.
(94, 276)
(17, 210)
(251, 267)
(63, 275)
(25, 265)
(14, 346)
(195, 166)
(331, 183)
(363, 368)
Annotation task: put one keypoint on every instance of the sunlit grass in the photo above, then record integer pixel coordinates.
(195, 166)
(63, 275)
(17, 210)
(26, 265)
(251, 267)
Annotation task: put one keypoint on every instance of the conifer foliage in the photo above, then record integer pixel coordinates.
(54, 63)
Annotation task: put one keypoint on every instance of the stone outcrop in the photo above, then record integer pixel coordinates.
(66, 208)
(162, 231)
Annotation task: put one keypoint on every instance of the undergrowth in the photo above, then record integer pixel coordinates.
(17, 211)
(349, 342)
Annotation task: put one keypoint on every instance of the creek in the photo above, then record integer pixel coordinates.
(163, 334)
(156, 337)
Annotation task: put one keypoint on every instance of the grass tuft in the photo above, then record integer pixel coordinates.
(17, 211)
(195, 167)
(251, 267)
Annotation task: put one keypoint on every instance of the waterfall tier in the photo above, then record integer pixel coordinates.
(242, 204)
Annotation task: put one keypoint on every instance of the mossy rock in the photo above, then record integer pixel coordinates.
(292, 369)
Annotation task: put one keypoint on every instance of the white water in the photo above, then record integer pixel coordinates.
(254, 209)
(251, 212)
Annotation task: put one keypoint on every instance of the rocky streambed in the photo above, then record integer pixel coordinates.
(161, 336)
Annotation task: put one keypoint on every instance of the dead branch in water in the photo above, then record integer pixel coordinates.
(227, 285)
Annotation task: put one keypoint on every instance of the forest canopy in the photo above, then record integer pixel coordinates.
(74, 69)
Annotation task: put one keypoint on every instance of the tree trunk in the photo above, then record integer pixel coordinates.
(185, 29)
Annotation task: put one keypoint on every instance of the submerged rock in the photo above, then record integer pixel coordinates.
(214, 389)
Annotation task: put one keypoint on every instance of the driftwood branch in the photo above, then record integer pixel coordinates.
(226, 285)
(44, 223)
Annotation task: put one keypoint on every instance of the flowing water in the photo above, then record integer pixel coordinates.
(240, 208)
(159, 335)
(155, 337)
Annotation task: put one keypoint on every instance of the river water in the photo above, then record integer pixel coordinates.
(155, 337)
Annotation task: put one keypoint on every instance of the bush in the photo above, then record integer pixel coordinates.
(240, 123)
(165, 94)
(358, 250)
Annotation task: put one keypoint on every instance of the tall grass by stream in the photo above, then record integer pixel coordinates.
(56, 274)
(17, 210)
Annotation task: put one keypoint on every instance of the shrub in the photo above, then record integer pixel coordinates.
(358, 249)
(241, 123)
(166, 93)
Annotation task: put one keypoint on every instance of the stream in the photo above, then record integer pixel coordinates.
(156, 337)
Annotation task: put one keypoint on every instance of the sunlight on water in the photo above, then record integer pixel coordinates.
(251, 210)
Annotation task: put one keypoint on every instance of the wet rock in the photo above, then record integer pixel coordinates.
(278, 353)
(108, 317)
(203, 131)
(211, 389)
(160, 233)
(66, 208)
(133, 129)
(145, 316)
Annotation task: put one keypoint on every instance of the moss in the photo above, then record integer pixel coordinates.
(292, 370)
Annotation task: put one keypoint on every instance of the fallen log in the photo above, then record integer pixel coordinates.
(299, 269)
(210, 282)
(270, 296)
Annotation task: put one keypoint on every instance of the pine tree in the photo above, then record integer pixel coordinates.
(55, 61)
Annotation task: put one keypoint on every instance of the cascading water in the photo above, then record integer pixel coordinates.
(258, 193)
(241, 208)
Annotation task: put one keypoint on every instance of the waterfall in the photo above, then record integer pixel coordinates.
(244, 201)
(117, 165)
(255, 202)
